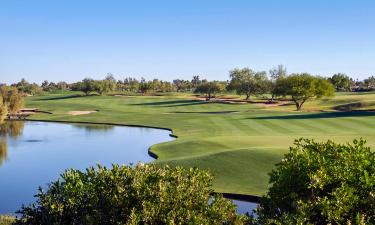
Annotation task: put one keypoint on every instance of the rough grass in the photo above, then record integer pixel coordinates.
(240, 148)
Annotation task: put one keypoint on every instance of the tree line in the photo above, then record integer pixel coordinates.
(276, 83)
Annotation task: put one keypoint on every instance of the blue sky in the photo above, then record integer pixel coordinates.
(72, 39)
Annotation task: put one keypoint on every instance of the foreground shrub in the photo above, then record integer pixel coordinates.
(322, 183)
(144, 194)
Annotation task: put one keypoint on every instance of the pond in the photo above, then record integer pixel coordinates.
(35, 153)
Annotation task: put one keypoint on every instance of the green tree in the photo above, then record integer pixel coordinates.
(12, 100)
(340, 81)
(210, 88)
(3, 109)
(87, 86)
(145, 86)
(144, 194)
(246, 81)
(302, 87)
(276, 73)
(370, 83)
(322, 183)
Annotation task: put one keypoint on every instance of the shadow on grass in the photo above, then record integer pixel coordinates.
(209, 112)
(172, 103)
(64, 97)
(319, 115)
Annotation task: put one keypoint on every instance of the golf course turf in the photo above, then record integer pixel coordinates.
(239, 143)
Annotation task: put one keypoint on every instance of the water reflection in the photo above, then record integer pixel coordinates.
(94, 127)
(35, 153)
(3, 151)
(12, 129)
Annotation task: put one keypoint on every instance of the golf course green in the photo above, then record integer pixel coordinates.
(240, 143)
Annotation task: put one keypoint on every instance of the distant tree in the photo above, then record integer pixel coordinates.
(27, 88)
(246, 81)
(146, 86)
(370, 83)
(142, 194)
(131, 84)
(104, 86)
(276, 73)
(195, 81)
(210, 88)
(87, 86)
(45, 85)
(340, 81)
(182, 85)
(321, 183)
(302, 87)
(62, 85)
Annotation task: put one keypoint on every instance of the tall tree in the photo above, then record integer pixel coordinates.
(275, 74)
(87, 86)
(340, 81)
(246, 81)
(12, 100)
(370, 83)
(302, 87)
(3, 109)
(210, 88)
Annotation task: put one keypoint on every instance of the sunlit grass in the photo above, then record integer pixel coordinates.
(240, 143)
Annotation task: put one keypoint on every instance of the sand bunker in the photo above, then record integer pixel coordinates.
(77, 113)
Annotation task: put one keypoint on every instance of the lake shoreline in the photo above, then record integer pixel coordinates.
(235, 196)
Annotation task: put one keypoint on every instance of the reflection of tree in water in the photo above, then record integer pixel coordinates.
(94, 127)
(3, 151)
(12, 128)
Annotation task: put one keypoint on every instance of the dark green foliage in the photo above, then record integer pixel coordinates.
(145, 194)
(248, 82)
(341, 82)
(210, 88)
(322, 183)
(302, 87)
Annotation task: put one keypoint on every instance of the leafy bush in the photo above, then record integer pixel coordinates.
(144, 194)
(322, 183)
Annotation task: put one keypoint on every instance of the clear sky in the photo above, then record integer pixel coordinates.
(72, 39)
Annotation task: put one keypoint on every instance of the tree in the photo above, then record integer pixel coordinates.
(246, 81)
(144, 194)
(12, 100)
(195, 81)
(87, 86)
(370, 83)
(302, 87)
(340, 81)
(209, 88)
(322, 183)
(3, 109)
(276, 73)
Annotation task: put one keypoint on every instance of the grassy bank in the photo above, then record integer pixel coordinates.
(240, 143)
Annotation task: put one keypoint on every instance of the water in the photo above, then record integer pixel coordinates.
(36, 153)
(32, 154)
(245, 206)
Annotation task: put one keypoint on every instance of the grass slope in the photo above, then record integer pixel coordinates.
(240, 145)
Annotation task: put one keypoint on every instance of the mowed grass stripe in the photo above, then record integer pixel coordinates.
(236, 145)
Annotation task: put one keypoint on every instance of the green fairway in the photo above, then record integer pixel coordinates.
(239, 143)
